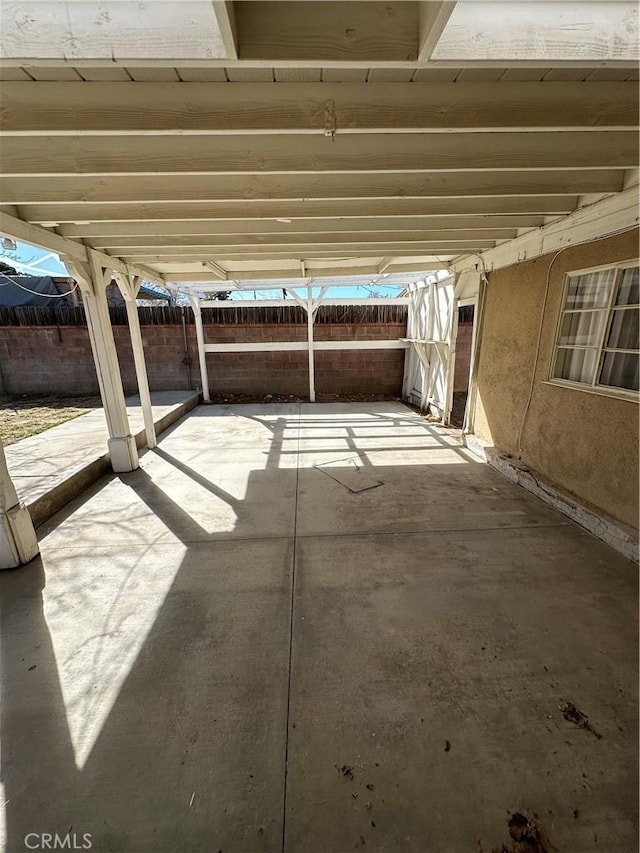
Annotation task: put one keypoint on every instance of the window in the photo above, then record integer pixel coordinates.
(597, 343)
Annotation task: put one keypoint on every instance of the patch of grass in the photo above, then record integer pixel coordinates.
(25, 415)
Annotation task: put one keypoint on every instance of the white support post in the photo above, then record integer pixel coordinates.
(309, 307)
(452, 336)
(312, 365)
(409, 359)
(93, 279)
(129, 287)
(430, 328)
(202, 355)
(478, 322)
(18, 542)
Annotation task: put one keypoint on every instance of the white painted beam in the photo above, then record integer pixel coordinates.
(100, 233)
(284, 303)
(113, 30)
(335, 65)
(70, 109)
(262, 274)
(433, 18)
(225, 16)
(609, 215)
(284, 242)
(275, 154)
(291, 209)
(217, 270)
(291, 346)
(171, 189)
(236, 263)
(38, 236)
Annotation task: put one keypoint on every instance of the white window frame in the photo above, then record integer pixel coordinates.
(594, 387)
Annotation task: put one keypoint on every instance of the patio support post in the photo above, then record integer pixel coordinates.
(18, 542)
(129, 287)
(310, 306)
(312, 366)
(202, 356)
(93, 278)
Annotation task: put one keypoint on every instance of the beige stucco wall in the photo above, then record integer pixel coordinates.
(585, 443)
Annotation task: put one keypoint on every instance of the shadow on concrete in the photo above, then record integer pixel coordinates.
(193, 748)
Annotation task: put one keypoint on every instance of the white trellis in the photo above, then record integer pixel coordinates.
(431, 334)
(310, 304)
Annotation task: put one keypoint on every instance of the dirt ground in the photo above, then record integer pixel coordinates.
(22, 416)
(293, 398)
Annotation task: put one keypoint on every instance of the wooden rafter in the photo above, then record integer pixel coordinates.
(70, 109)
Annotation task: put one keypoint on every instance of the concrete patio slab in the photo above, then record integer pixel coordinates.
(147, 698)
(228, 650)
(433, 667)
(50, 468)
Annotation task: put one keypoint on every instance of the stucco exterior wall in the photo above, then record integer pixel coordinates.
(585, 443)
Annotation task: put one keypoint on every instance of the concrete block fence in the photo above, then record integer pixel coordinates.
(46, 359)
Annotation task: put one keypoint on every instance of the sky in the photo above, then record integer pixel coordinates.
(34, 261)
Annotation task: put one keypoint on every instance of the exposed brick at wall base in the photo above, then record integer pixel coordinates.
(52, 360)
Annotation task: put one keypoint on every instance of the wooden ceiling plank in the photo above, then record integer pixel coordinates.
(364, 268)
(202, 74)
(345, 75)
(14, 73)
(196, 155)
(568, 75)
(327, 31)
(611, 75)
(99, 74)
(436, 75)
(545, 205)
(390, 75)
(274, 240)
(480, 75)
(174, 189)
(153, 75)
(304, 253)
(297, 75)
(525, 75)
(54, 74)
(106, 230)
(149, 108)
(243, 74)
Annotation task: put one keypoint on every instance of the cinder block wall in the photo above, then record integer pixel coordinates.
(45, 359)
